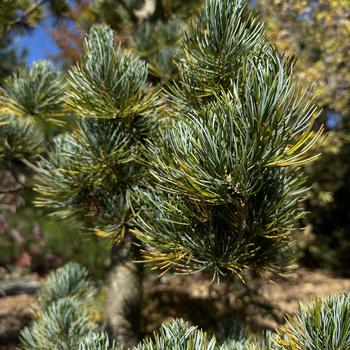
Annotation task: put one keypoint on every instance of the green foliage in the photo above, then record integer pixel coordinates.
(110, 82)
(68, 281)
(73, 188)
(228, 165)
(61, 326)
(63, 318)
(214, 47)
(159, 43)
(19, 140)
(178, 335)
(36, 94)
(95, 341)
(266, 343)
(95, 173)
(325, 325)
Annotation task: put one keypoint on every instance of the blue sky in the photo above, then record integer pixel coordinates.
(39, 42)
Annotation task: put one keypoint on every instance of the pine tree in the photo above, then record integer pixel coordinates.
(216, 186)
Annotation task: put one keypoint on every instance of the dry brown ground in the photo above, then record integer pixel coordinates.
(14, 315)
(203, 303)
(307, 285)
(195, 299)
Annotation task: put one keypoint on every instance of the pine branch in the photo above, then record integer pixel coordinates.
(35, 94)
(324, 325)
(179, 335)
(109, 83)
(20, 141)
(63, 318)
(70, 280)
(228, 182)
(94, 174)
(95, 341)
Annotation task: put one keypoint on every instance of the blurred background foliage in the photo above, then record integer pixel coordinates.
(317, 33)
(152, 28)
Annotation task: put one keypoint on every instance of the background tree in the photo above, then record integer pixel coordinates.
(17, 18)
(318, 33)
(153, 29)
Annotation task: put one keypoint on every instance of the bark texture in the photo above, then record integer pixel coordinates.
(124, 295)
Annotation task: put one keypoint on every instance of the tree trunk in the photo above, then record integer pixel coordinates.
(124, 295)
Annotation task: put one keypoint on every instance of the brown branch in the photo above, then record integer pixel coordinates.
(28, 12)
